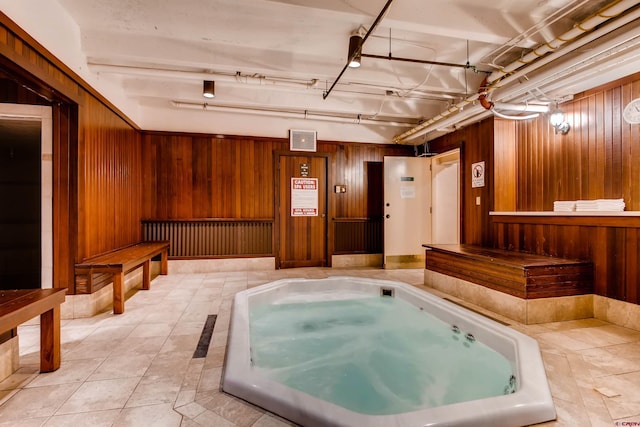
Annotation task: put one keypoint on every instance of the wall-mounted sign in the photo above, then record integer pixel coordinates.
(408, 192)
(304, 169)
(304, 196)
(477, 175)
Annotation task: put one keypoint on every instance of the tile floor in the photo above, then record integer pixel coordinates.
(137, 369)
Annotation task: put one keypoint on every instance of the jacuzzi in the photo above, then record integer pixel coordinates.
(527, 402)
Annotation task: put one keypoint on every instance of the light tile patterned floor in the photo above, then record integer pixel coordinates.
(137, 369)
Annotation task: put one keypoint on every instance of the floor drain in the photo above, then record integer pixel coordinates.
(205, 337)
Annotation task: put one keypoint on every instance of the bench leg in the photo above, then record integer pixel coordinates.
(146, 275)
(164, 262)
(50, 340)
(118, 293)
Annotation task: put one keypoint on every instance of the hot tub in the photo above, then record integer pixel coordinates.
(524, 400)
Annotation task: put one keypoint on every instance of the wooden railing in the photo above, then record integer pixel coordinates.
(210, 238)
(358, 235)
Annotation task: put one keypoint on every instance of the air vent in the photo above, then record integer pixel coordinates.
(302, 140)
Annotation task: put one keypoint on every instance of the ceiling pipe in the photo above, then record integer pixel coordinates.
(475, 112)
(292, 114)
(511, 117)
(524, 108)
(236, 77)
(434, 122)
(425, 61)
(255, 79)
(587, 59)
(585, 26)
(535, 29)
(354, 54)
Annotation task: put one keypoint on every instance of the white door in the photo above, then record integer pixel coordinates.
(445, 177)
(407, 204)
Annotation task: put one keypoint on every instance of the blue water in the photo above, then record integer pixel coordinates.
(374, 355)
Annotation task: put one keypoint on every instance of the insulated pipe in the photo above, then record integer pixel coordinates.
(509, 117)
(259, 80)
(244, 79)
(357, 119)
(427, 125)
(468, 114)
(585, 26)
(526, 107)
(585, 59)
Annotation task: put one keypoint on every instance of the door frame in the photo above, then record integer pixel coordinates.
(435, 162)
(328, 235)
(44, 115)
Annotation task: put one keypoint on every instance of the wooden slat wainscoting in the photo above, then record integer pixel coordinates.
(611, 242)
(212, 237)
(358, 235)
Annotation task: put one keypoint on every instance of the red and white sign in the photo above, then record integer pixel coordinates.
(304, 196)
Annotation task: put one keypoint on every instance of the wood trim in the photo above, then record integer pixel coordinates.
(45, 76)
(593, 221)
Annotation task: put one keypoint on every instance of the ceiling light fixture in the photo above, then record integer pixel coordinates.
(355, 51)
(557, 120)
(209, 89)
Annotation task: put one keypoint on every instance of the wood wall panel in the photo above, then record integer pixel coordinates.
(505, 174)
(110, 181)
(199, 176)
(96, 152)
(598, 158)
(65, 202)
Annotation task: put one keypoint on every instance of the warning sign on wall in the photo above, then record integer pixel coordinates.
(304, 196)
(477, 175)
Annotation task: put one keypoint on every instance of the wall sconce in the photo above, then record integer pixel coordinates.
(556, 119)
(355, 51)
(209, 89)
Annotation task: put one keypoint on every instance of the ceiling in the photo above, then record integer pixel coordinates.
(275, 61)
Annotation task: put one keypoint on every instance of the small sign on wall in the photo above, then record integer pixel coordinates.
(304, 196)
(477, 175)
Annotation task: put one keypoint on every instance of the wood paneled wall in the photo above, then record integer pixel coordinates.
(96, 150)
(200, 176)
(598, 158)
(110, 184)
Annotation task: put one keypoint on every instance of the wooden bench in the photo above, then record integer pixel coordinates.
(18, 306)
(120, 262)
(520, 274)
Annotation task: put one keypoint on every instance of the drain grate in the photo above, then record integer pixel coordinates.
(205, 337)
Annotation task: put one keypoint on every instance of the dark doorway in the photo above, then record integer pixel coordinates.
(20, 193)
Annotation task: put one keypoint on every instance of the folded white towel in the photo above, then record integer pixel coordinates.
(564, 205)
(601, 205)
